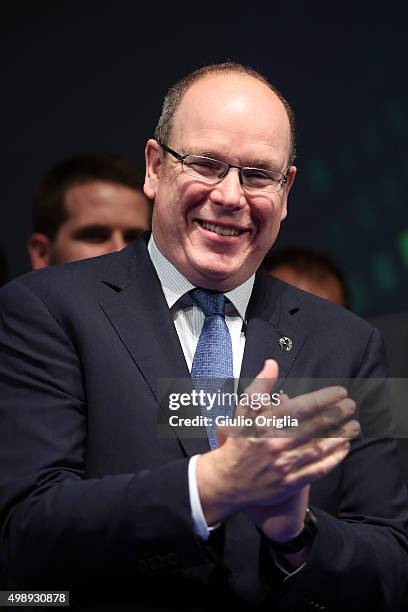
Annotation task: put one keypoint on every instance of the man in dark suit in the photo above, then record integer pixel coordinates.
(92, 499)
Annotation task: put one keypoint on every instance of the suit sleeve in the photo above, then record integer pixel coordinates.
(358, 560)
(53, 522)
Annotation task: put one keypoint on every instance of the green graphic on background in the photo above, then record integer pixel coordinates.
(391, 193)
(403, 246)
(360, 294)
(371, 139)
(364, 213)
(385, 272)
(319, 176)
(396, 117)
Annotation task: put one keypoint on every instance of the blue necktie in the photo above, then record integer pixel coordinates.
(212, 364)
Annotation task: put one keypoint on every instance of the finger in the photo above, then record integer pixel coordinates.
(313, 418)
(279, 423)
(322, 426)
(313, 471)
(333, 414)
(316, 449)
(346, 430)
(308, 404)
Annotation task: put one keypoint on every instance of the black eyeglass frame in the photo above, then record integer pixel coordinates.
(181, 159)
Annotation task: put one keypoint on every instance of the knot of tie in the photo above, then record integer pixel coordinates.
(210, 302)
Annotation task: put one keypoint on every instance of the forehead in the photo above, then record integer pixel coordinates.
(100, 202)
(235, 112)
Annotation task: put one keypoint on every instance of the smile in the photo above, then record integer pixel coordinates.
(218, 229)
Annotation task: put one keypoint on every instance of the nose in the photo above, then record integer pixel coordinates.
(118, 241)
(228, 192)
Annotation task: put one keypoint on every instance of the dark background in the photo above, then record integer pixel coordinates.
(86, 75)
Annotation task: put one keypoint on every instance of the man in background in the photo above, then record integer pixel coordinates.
(311, 271)
(86, 206)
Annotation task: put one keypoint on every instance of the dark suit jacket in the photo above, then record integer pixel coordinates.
(394, 329)
(93, 501)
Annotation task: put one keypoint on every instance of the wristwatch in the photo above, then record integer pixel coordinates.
(302, 540)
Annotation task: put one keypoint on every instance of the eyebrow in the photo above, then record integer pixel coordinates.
(93, 226)
(257, 162)
(104, 231)
(89, 229)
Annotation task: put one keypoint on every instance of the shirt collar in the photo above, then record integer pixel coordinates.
(175, 285)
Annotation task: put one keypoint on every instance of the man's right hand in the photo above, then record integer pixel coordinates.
(255, 472)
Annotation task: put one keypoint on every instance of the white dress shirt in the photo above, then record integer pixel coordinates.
(188, 320)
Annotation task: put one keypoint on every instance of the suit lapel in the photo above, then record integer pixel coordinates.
(139, 313)
(270, 318)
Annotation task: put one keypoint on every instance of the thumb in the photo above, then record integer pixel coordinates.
(261, 384)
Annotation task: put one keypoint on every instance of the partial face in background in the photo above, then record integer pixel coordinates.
(327, 287)
(238, 120)
(101, 218)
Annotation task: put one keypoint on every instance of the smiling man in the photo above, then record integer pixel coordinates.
(221, 230)
(96, 501)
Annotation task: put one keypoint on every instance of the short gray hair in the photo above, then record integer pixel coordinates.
(176, 92)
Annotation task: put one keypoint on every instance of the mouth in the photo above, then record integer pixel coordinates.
(221, 230)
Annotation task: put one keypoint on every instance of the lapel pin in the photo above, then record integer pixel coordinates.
(285, 343)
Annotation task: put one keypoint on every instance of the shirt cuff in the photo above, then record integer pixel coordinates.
(199, 523)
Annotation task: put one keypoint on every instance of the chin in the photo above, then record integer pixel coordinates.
(218, 278)
(214, 269)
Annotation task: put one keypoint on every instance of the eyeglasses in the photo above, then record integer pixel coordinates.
(213, 171)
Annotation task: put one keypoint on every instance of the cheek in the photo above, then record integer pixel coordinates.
(77, 250)
(191, 196)
(267, 216)
(63, 245)
(175, 201)
(267, 211)
(69, 249)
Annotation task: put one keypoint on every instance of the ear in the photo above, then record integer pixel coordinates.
(40, 251)
(287, 188)
(153, 157)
